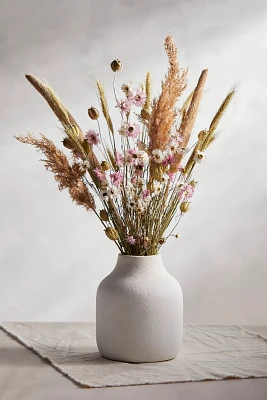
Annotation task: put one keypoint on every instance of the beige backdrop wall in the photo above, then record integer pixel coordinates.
(52, 254)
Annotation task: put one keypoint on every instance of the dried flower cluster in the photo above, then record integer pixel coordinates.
(138, 178)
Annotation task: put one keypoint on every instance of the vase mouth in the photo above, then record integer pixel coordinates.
(129, 256)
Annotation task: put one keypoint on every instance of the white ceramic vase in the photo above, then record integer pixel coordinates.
(139, 311)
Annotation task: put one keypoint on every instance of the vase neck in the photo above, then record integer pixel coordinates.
(139, 263)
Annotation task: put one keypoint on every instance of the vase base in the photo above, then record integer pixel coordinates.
(118, 359)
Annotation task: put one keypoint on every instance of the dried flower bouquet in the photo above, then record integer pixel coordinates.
(142, 188)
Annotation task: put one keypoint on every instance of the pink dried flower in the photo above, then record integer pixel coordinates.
(168, 160)
(130, 239)
(139, 168)
(100, 175)
(130, 130)
(124, 105)
(187, 192)
(171, 176)
(139, 98)
(146, 196)
(77, 154)
(116, 178)
(119, 159)
(145, 193)
(92, 137)
(131, 155)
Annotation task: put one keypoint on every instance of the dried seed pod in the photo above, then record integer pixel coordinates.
(193, 183)
(145, 114)
(111, 233)
(103, 215)
(116, 65)
(105, 165)
(93, 113)
(68, 144)
(185, 206)
(162, 241)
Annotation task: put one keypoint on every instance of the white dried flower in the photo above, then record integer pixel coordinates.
(132, 204)
(85, 164)
(129, 188)
(158, 156)
(157, 187)
(200, 157)
(143, 156)
(140, 207)
(180, 186)
(127, 89)
(104, 194)
(114, 192)
(165, 177)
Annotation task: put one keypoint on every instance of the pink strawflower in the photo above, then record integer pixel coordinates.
(145, 193)
(100, 174)
(133, 180)
(130, 130)
(116, 178)
(187, 192)
(146, 196)
(77, 154)
(139, 98)
(139, 168)
(168, 160)
(119, 159)
(131, 155)
(125, 105)
(130, 240)
(171, 176)
(92, 137)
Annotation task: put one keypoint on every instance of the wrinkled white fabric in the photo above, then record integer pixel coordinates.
(209, 352)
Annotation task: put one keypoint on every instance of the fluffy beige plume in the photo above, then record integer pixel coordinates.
(67, 176)
(163, 109)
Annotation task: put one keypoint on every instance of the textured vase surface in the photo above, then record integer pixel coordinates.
(139, 311)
